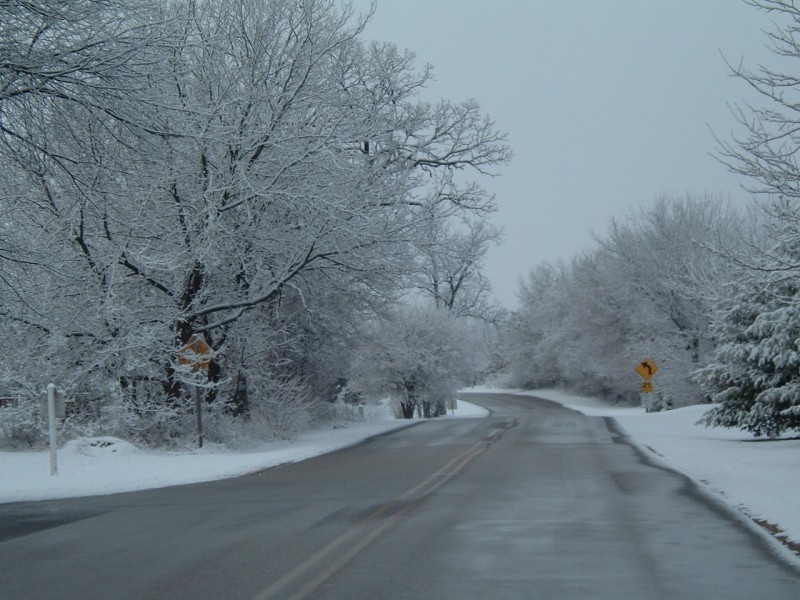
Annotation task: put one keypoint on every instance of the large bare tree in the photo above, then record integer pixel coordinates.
(277, 188)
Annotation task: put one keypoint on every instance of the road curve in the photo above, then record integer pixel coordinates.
(535, 501)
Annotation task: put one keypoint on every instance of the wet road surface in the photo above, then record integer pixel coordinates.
(535, 501)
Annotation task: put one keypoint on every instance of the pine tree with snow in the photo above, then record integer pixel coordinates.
(754, 378)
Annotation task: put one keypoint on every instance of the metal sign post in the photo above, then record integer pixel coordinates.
(646, 369)
(198, 355)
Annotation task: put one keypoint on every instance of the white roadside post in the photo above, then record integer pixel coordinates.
(198, 408)
(51, 417)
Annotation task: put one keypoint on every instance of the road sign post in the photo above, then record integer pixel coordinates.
(646, 369)
(198, 355)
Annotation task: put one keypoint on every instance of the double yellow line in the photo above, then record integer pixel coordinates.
(363, 533)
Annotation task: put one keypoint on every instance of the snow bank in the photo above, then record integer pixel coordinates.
(105, 465)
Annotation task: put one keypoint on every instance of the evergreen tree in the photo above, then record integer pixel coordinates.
(755, 377)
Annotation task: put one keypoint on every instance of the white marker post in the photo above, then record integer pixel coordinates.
(51, 417)
(198, 408)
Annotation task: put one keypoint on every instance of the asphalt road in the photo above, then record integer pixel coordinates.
(536, 501)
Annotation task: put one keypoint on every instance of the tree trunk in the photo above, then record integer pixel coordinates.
(407, 408)
(239, 404)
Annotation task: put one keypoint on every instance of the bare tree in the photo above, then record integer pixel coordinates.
(766, 152)
(451, 259)
(94, 54)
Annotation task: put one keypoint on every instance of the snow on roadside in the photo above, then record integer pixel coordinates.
(93, 466)
(758, 477)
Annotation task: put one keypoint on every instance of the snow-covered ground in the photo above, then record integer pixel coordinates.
(760, 478)
(88, 467)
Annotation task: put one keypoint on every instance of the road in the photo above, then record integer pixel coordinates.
(535, 501)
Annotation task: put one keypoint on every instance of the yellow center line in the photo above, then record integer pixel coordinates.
(402, 505)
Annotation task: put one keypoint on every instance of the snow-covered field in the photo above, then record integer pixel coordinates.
(760, 478)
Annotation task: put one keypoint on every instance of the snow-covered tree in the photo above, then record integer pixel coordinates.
(93, 57)
(533, 333)
(450, 266)
(418, 355)
(665, 266)
(765, 152)
(274, 196)
(755, 378)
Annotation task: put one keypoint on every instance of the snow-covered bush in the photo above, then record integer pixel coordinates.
(21, 424)
(419, 355)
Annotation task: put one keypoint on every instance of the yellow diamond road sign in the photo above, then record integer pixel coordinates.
(196, 353)
(647, 368)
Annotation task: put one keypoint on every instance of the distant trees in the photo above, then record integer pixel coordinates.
(648, 289)
(249, 172)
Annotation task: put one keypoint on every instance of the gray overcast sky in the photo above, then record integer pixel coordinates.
(607, 103)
